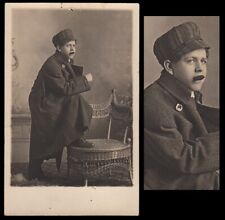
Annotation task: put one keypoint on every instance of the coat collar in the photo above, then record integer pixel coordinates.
(177, 88)
(62, 58)
(183, 95)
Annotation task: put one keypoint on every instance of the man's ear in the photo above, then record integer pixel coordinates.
(168, 66)
(58, 48)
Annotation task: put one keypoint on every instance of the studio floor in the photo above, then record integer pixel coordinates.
(55, 178)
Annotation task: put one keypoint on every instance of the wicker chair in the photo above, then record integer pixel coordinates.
(108, 156)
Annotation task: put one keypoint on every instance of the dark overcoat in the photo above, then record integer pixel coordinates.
(181, 138)
(59, 114)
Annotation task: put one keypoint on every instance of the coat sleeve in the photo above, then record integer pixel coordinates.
(210, 116)
(165, 143)
(55, 80)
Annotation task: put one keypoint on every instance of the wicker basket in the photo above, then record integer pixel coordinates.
(107, 157)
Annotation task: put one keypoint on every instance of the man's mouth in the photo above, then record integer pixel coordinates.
(71, 53)
(196, 78)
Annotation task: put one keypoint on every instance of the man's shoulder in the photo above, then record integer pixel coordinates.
(152, 88)
(51, 63)
(154, 92)
(51, 60)
(157, 100)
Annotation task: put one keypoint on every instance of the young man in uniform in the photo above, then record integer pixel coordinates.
(181, 136)
(59, 114)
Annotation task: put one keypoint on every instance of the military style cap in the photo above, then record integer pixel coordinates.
(178, 41)
(63, 37)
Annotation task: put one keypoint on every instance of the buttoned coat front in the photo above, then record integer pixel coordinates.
(59, 114)
(181, 138)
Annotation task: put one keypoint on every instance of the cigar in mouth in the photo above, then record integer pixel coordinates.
(200, 77)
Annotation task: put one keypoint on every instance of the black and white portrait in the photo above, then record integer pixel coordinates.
(72, 88)
(181, 103)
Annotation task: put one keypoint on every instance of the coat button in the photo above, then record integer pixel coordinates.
(63, 66)
(179, 107)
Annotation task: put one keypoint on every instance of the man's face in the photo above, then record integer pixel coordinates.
(189, 66)
(69, 49)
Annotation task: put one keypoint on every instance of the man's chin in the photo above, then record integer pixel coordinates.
(71, 56)
(196, 86)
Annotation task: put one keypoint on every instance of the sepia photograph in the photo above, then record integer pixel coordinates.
(181, 103)
(71, 104)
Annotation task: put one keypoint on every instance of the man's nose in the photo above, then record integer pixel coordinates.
(72, 48)
(198, 67)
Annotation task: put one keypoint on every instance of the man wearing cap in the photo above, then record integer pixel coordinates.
(59, 114)
(181, 135)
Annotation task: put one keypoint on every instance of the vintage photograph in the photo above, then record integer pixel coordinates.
(181, 103)
(72, 100)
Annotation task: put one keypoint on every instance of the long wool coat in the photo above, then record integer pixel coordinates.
(59, 114)
(181, 138)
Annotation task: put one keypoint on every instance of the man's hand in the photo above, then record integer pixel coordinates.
(89, 77)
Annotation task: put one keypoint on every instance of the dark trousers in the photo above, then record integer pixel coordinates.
(34, 168)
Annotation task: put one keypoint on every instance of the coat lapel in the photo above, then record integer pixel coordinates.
(183, 96)
(196, 119)
(65, 65)
(70, 69)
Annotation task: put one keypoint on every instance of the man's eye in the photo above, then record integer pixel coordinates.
(204, 61)
(190, 60)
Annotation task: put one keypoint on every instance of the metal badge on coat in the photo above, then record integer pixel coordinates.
(179, 107)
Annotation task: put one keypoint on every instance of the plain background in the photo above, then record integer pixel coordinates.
(155, 26)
